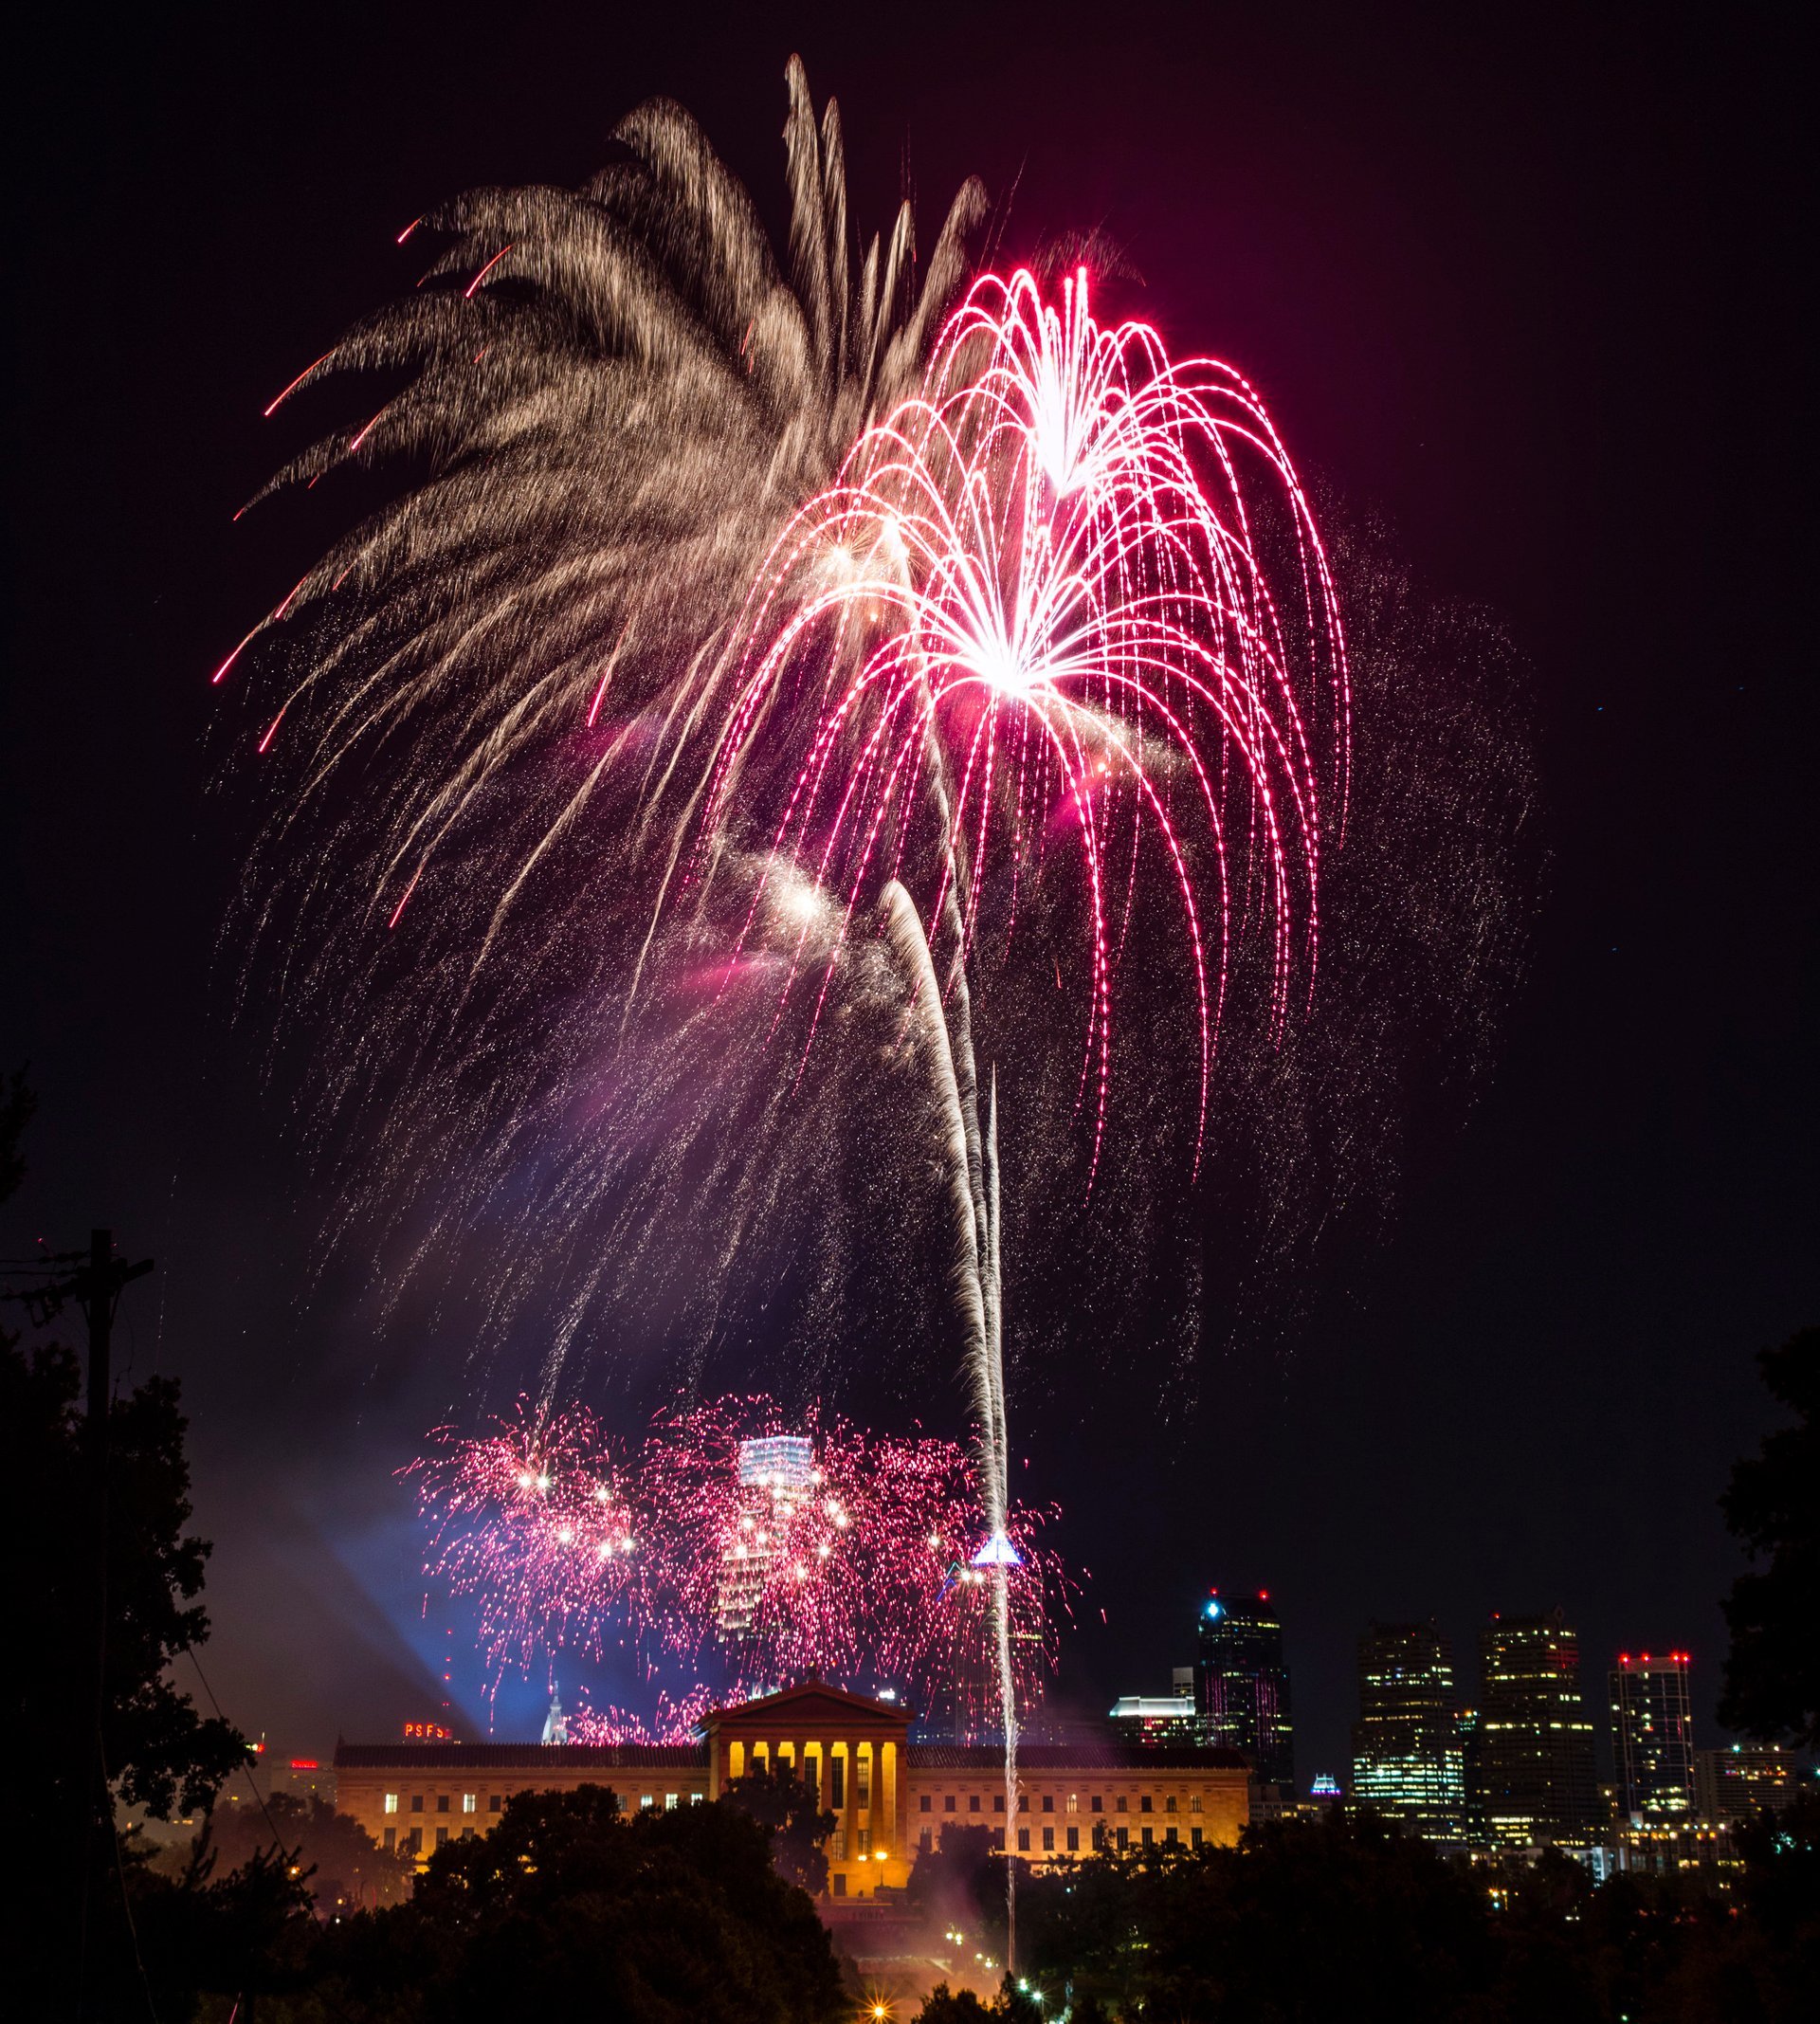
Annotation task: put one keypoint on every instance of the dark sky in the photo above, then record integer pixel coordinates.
(1526, 280)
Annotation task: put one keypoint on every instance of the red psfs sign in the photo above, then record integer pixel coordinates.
(428, 1732)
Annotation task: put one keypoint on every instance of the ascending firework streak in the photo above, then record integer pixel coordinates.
(1042, 591)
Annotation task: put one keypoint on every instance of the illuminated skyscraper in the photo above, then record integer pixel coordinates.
(1407, 1757)
(1531, 1773)
(1652, 1734)
(776, 1473)
(1742, 1779)
(1242, 1685)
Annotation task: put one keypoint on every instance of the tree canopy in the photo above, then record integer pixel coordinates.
(1773, 1505)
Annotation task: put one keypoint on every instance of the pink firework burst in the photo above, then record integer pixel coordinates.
(536, 1523)
(1075, 587)
(744, 1550)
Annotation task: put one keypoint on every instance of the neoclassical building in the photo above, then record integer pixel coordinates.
(890, 1797)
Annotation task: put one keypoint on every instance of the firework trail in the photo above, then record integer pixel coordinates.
(749, 1555)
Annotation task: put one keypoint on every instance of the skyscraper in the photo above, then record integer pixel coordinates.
(1407, 1758)
(777, 1473)
(1242, 1685)
(1742, 1779)
(1532, 1774)
(1652, 1734)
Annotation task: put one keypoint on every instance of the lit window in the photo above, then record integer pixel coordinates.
(645, 1801)
(864, 1850)
(392, 1802)
(695, 1798)
(670, 1802)
(469, 1800)
(1074, 1802)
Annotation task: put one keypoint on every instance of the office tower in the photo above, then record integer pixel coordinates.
(1531, 1776)
(1742, 1779)
(1653, 1735)
(777, 1474)
(1242, 1685)
(1157, 1719)
(1407, 1756)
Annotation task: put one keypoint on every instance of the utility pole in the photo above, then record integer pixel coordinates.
(94, 1283)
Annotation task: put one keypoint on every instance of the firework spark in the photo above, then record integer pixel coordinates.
(1038, 598)
(749, 1555)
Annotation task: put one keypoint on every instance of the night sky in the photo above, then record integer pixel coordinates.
(1530, 288)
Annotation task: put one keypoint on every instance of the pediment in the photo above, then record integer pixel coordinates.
(812, 1705)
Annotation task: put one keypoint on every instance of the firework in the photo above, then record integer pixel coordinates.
(745, 1553)
(1037, 600)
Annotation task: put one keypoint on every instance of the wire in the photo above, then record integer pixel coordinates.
(253, 1783)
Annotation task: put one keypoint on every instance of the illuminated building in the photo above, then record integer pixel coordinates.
(1158, 1718)
(891, 1797)
(1742, 1779)
(1531, 1774)
(1242, 1685)
(776, 1473)
(1408, 1762)
(1653, 1735)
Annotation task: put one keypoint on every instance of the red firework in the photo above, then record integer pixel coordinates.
(744, 1549)
(1046, 589)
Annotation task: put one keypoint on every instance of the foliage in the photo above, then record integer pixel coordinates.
(569, 1907)
(793, 1816)
(160, 1753)
(347, 1870)
(1316, 1920)
(961, 2006)
(1773, 1505)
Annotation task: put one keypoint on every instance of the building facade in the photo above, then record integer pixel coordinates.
(1653, 1736)
(891, 1797)
(1531, 1776)
(1242, 1685)
(1169, 1718)
(1408, 1761)
(1742, 1780)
